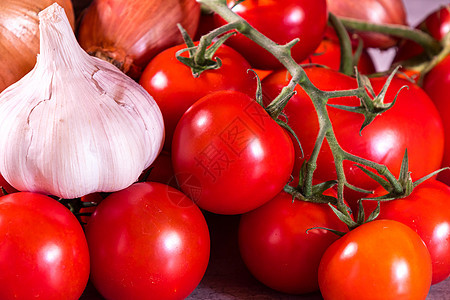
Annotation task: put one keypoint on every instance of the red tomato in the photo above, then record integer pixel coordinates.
(147, 240)
(410, 124)
(229, 155)
(281, 21)
(436, 84)
(328, 53)
(427, 212)
(174, 88)
(43, 247)
(382, 259)
(278, 250)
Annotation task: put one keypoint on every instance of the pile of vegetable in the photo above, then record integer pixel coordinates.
(129, 127)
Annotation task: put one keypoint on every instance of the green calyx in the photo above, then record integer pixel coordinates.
(371, 104)
(201, 57)
(404, 179)
(275, 113)
(316, 197)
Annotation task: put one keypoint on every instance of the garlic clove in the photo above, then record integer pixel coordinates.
(75, 124)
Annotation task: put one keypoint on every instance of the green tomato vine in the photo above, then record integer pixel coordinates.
(370, 106)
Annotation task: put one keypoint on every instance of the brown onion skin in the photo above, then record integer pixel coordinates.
(19, 36)
(373, 11)
(130, 32)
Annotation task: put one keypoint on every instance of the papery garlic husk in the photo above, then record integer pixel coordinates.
(75, 124)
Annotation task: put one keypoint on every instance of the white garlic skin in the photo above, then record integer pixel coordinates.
(75, 124)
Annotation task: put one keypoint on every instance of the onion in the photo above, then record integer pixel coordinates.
(19, 32)
(373, 11)
(129, 33)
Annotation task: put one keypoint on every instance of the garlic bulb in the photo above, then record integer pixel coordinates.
(75, 124)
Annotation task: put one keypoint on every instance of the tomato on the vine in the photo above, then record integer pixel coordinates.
(229, 155)
(283, 241)
(427, 211)
(174, 87)
(147, 240)
(282, 21)
(411, 123)
(43, 247)
(382, 259)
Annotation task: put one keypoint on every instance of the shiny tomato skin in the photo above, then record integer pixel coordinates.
(174, 88)
(278, 250)
(436, 84)
(148, 240)
(427, 212)
(281, 21)
(382, 259)
(410, 124)
(44, 250)
(229, 155)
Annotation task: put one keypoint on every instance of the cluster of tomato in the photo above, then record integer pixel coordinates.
(230, 157)
(225, 155)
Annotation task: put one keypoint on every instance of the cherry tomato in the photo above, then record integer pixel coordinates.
(44, 250)
(277, 247)
(410, 124)
(148, 240)
(382, 259)
(436, 84)
(427, 212)
(174, 88)
(281, 21)
(229, 155)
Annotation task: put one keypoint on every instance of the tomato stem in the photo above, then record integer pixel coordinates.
(346, 65)
(430, 45)
(206, 40)
(423, 64)
(319, 99)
